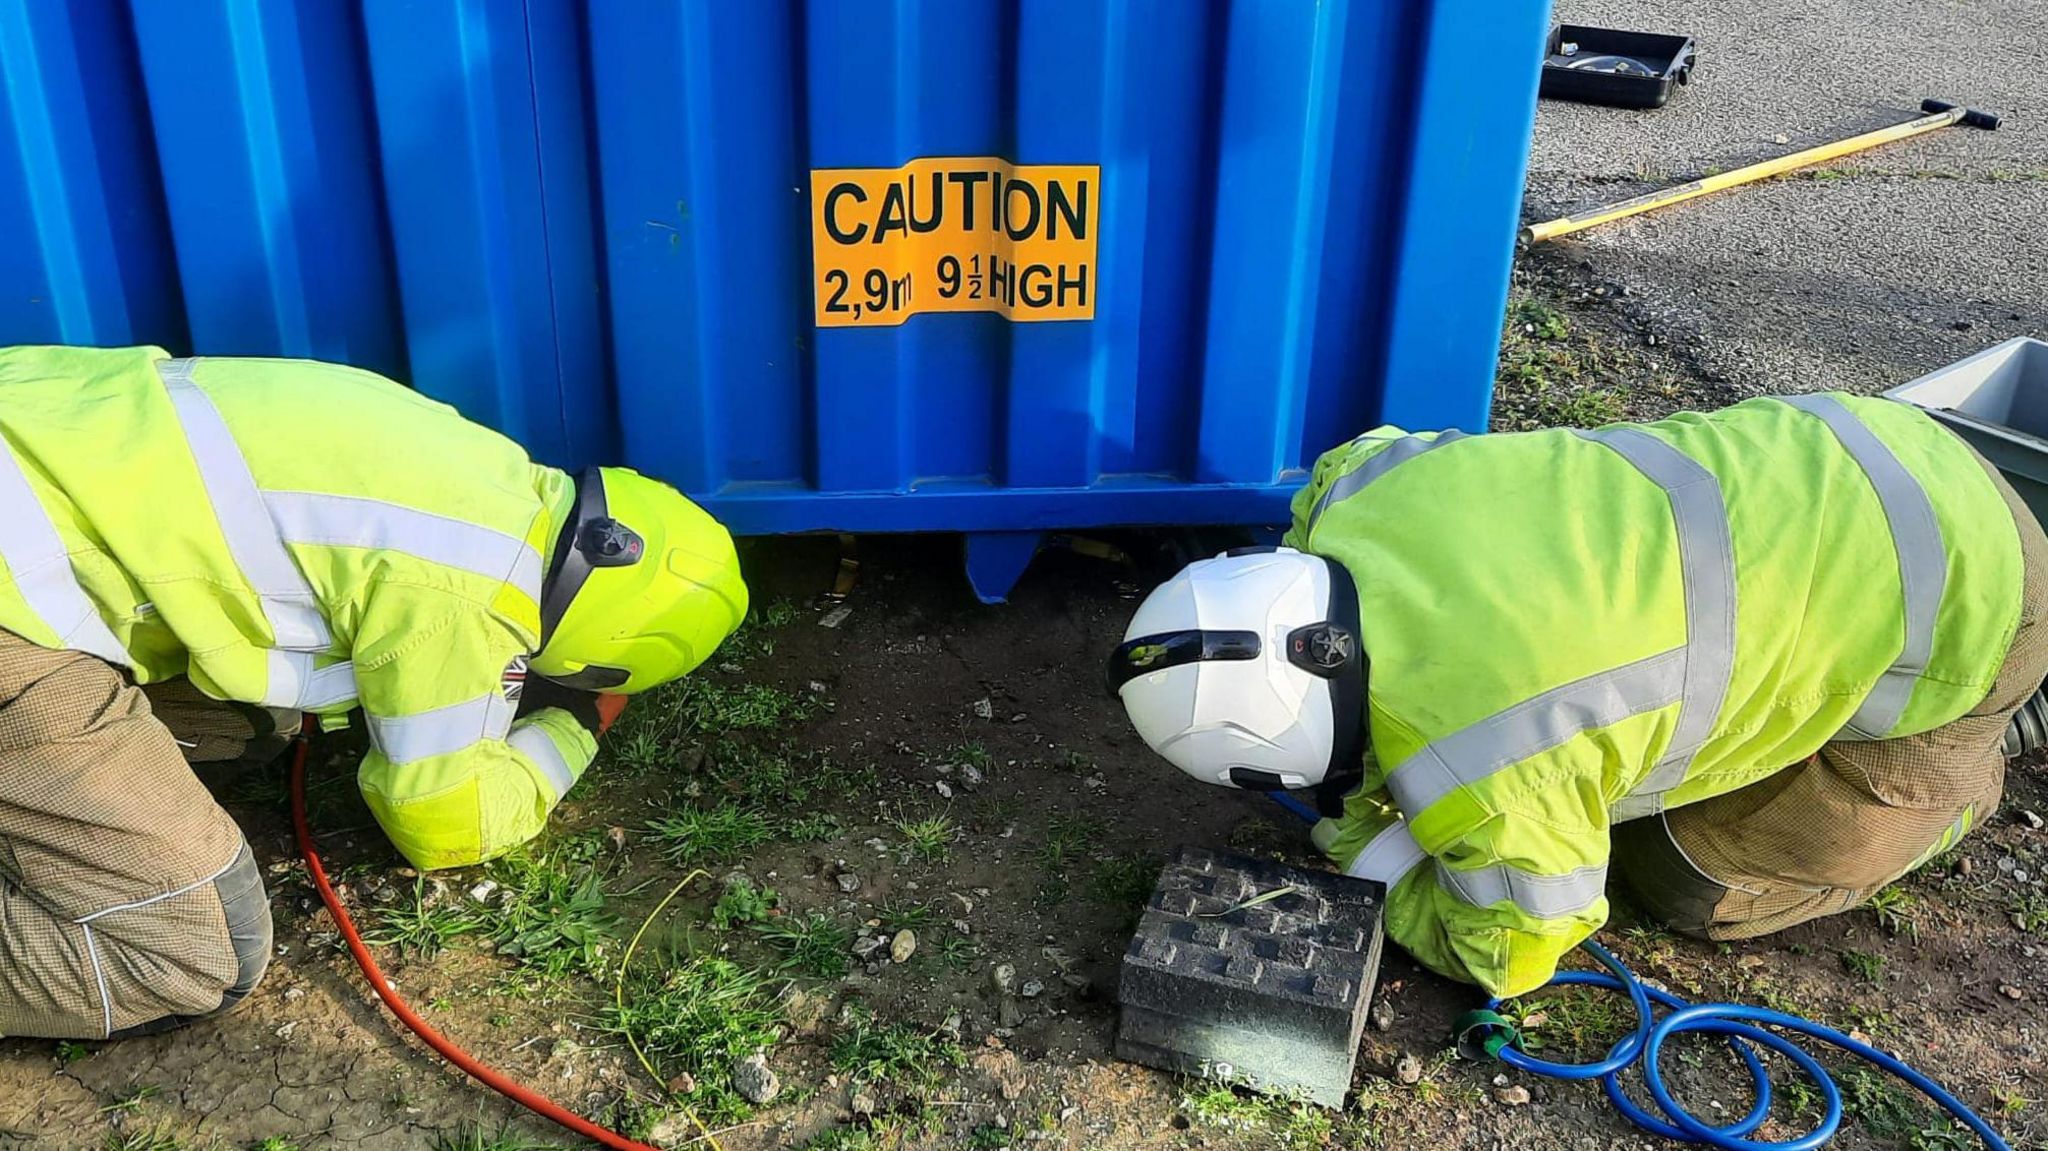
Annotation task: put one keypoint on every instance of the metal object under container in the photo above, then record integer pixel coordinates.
(1226, 980)
(1998, 401)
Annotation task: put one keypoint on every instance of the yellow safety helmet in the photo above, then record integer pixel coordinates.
(643, 586)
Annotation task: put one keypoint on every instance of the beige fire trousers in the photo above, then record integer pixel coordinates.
(129, 901)
(1825, 835)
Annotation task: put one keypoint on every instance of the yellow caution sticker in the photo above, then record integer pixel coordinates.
(955, 234)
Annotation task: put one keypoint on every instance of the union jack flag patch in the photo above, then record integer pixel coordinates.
(514, 680)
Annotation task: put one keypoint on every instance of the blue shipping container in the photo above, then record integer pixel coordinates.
(990, 266)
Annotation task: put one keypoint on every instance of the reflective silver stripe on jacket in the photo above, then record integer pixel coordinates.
(1535, 725)
(358, 522)
(41, 569)
(1923, 561)
(1387, 459)
(296, 683)
(533, 742)
(423, 735)
(289, 605)
(1706, 557)
(1390, 856)
(1540, 896)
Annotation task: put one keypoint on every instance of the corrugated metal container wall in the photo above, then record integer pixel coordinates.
(595, 228)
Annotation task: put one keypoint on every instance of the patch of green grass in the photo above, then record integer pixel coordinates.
(152, 1138)
(472, 1137)
(640, 750)
(1890, 1110)
(1897, 911)
(1551, 376)
(421, 927)
(1291, 1123)
(988, 1137)
(2030, 912)
(815, 828)
(971, 753)
(1865, 965)
(698, 1015)
(754, 637)
(551, 912)
(742, 902)
(1538, 320)
(928, 839)
(959, 952)
(1575, 1022)
(695, 836)
(899, 915)
(132, 1102)
(709, 707)
(814, 944)
(908, 1058)
(70, 1051)
(1126, 880)
(780, 779)
(1066, 837)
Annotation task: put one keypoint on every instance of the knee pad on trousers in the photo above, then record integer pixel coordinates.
(245, 905)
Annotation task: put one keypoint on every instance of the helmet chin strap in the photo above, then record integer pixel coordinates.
(569, 568)
(1346, 769)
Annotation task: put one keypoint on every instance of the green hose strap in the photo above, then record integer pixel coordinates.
(1480, 1034)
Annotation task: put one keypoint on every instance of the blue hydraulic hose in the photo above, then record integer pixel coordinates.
(1735, 1022)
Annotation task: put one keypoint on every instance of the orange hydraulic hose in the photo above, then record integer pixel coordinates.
(531, 1100)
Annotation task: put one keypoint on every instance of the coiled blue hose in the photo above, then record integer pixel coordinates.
(1485, 1033)
(1734, 1021)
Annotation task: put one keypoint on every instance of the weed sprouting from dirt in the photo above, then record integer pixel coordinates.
(698, 1016)
(742, 902)
(1126, 880)
(1897, 911)
(551, 913)
(814, 944)
(1576, 1022)
(1065, 837)
(959, 952)
(816, 828)
(132, 1102)
(422, 926)
(894, 1054)
(1292, 1123)
(701, 835)
(2030, 912)
(472, 1137)
(70, 1051)
(709, 707)
(1889, 1110)
(274, 1143)
(901, 915)
(153, 1138)
(1865, 965)
(1550, 376)
(928, 839)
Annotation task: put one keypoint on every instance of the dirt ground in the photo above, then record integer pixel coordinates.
(904, 759)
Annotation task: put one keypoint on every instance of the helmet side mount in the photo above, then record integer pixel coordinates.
(591, 539)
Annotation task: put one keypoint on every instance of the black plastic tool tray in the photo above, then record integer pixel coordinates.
(1666, 62)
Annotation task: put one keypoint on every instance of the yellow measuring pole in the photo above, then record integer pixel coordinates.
(1763, 170)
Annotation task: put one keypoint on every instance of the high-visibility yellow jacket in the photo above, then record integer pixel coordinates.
(1566, 629)
(297, 535)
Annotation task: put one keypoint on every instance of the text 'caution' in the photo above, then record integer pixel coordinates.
(955, 234)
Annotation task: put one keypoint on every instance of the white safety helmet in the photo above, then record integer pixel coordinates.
(1246, 670)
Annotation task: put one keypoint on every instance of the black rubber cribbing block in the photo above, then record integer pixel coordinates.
(1271, 996)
